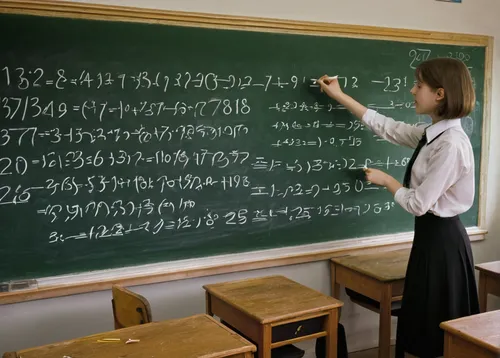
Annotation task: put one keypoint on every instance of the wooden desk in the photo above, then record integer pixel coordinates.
(190, 337)
(489, 282)
(378, 276)
(476, 336)
(275, 311)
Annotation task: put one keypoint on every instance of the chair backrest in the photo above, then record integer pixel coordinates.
(129, 308)
(10, 355)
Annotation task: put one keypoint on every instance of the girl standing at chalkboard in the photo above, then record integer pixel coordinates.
(438, 186)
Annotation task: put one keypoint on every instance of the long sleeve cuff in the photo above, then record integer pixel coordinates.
(399, 197)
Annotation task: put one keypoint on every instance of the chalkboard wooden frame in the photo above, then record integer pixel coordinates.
(153, 273)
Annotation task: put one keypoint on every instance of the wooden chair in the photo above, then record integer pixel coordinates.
(10, 355)
(129, 308)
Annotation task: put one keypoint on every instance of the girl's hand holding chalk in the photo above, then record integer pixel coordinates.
(327, 79)
(375, 176)
(330, 85)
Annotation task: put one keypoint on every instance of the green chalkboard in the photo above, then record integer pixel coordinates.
(130, 143)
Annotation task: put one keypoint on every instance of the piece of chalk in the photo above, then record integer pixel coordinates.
(110, 339)
(330, 78)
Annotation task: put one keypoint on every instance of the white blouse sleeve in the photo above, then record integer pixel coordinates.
(445, 168)
(393, 131)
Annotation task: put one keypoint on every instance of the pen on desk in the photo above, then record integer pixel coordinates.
(130, 340)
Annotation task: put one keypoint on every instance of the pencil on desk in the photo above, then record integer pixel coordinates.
(109, 340)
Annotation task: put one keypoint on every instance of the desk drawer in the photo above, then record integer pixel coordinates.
(298, 329)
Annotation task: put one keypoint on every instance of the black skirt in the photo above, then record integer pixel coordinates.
(440, 285)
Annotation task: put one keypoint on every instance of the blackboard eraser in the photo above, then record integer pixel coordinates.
(18, 285)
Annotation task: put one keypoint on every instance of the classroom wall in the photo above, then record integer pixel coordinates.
(40, 322)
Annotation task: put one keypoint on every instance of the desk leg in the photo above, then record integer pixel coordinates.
(384, 343)
(483, 292)
(264, 344)
(447, 345)
(331, 323)
(208, 304)
(335, 287)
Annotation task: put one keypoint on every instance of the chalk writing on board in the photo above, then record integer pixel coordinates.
(418, 56)
(421, 54)
(350, 141)
(139, 184)
(31, 135)
(24, 78)
(89, 109)
(147, 207)
(462, 56)
(28, 135)
(212, 219)
(353, 125)
(110, 167)
(393, 84)
(77, 160)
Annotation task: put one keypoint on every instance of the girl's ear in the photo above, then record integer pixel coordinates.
(440, 94)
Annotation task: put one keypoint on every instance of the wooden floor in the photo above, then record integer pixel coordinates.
(373, 353)
(370, 353)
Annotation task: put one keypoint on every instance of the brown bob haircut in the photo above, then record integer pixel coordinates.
(454, 77)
